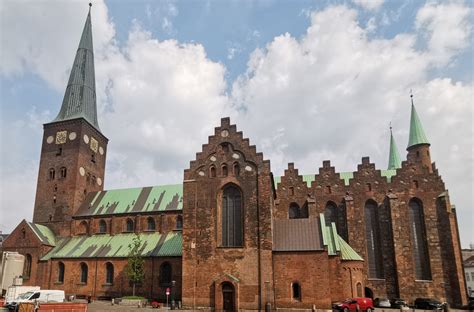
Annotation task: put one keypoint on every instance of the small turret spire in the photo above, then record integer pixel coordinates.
(417, 134)
(80, 97)
(394, 161)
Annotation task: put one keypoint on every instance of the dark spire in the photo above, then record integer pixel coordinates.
(80, 98)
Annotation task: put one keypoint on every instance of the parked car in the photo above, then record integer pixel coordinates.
(39, 295)
(428, 304)
(398, 303)
(382, 303)
(355, 305)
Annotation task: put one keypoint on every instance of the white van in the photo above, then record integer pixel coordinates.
(39, 296)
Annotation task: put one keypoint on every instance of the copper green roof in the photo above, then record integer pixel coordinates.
(133, 200)
(417, 134)
(345, 176)
(394, 161)
(80, 96)
(44, 234)
(335, 244)
(116, 246)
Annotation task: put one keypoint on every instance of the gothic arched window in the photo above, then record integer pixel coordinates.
(212, 171)
(296, 291)
(225, 171)
(232, 215)
(84, 273)
(372, 236)
(109, 273)
(418, 235)
(150, 224)
(102, 226)
(330, 213)
(165, 274)
(60, 272)
(27, 266)
(236, 169)
(129, 227)
(294, 211)
(83, 228)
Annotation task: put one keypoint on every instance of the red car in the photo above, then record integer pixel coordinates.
(355, 305)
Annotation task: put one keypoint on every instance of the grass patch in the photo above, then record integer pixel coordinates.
(133, 297)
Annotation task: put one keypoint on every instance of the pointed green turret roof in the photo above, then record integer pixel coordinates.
(80, 99)
(417, 135)
(394, 161)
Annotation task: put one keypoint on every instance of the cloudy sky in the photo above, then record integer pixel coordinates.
(306, 81)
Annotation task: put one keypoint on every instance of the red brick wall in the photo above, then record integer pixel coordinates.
(205, 263)
(164, 222)
(70, 191)
(96, 285)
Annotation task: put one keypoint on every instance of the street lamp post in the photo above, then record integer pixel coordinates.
(173, 284)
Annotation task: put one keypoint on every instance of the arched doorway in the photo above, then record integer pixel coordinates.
(369, 293)
(228, 297)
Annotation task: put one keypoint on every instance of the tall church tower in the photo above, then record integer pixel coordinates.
(74, 150)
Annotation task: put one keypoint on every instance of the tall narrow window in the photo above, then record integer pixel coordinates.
(60, 272)
(84, 273)
(330, 213)
(165, 274)
(372, 236)
(359, 289)
(212, 172)
(129, 226)
(150, 224)
(296, 291)
(102, 226)
(83, 228)
(179, 222)
(232, 223)
(63, 172)
(236, 169)
(27, 266)
(291, 191)
(420, 245)
(52, 173)
(294, 211)
(109, 274)
(225, 171)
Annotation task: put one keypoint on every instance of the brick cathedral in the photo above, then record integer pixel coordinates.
(233, 236)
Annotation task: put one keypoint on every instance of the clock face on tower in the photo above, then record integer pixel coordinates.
(61, 137)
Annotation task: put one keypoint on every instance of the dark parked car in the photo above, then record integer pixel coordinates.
(428, 304)
(398, 303)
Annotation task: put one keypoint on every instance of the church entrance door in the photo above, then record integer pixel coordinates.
(228, 296)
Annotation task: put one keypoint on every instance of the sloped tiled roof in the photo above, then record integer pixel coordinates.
(116, 246)
(44, 234)
(296, 235)
(133, 200)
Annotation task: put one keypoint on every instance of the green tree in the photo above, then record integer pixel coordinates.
(136, 264)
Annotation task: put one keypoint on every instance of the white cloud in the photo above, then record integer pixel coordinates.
(447, 28)
(332, 93)
(327, 95)
(371, 5)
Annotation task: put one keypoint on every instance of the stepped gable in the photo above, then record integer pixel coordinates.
(413, 175)
(226, 146)
(328, 184)
(368, 182)
(291, 190)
